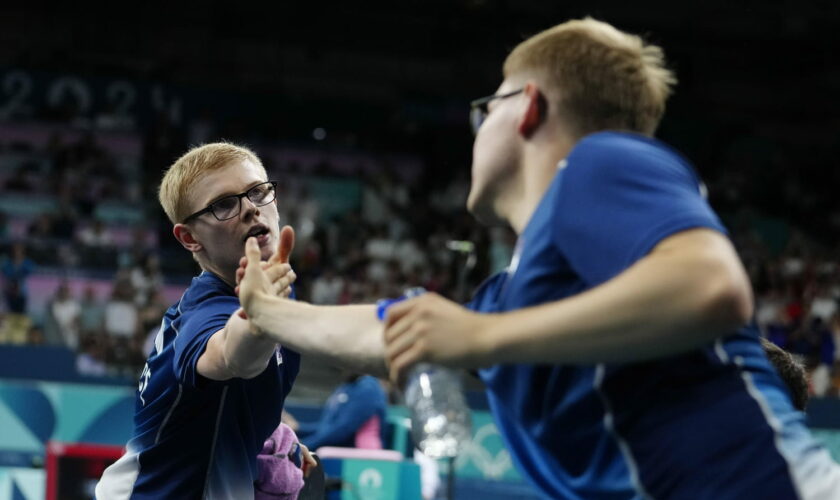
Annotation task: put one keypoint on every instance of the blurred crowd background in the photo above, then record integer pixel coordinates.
(362, 118)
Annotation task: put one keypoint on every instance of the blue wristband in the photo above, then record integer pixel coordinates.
(382, 305)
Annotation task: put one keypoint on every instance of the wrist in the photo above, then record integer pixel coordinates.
(256, 318)
(487, 339)
(255, 331)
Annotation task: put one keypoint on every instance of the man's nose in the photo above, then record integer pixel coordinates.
(249, 209)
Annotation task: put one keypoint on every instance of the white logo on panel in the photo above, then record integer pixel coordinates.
(370, 484)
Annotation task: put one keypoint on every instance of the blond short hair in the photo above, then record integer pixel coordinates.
(602, 78)
(188, 169)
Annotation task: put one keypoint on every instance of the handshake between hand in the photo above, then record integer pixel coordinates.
(273, 277)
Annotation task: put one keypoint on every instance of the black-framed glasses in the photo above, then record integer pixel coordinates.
(478, 108)
(230, 206)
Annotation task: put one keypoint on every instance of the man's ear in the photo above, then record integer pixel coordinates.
(535, 111)
(186, 238)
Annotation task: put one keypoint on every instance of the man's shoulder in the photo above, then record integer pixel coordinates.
(207, 290)
(621, 148)
(623, 154)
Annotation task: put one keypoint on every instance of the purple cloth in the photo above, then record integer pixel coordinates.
(279, 477)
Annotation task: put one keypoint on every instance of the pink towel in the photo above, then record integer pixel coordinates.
(279, 477)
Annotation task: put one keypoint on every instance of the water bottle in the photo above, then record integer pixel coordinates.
(440, 417)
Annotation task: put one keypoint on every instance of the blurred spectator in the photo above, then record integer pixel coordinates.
(35, 336)
(145, 277)
(138, 250)
(16, 270)
(327, 288)
(121, 313)
(453, 197)
(91, 360)
(41, 228)
(151, 312)
(127, 356)
(824, 357)
(65, 310)
(14, 328)
(91, 313)
(380, 250)
(96, 235)
(779, 329)
(824, 304)
(767, 308)
(410, 254)
(97, 245)
(64, 221)
(353, 416)
(150, 317)
(40, 240)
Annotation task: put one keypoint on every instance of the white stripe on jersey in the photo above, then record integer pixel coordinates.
(814, 474)
(632, 467)
(117, 481)
(159, 337)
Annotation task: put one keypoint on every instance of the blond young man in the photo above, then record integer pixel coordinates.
(212, 389)
(617, 349)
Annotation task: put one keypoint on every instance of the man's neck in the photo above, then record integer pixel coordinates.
(229, 278)
(538, 172)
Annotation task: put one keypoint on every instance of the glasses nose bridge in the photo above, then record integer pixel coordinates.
(252, 205)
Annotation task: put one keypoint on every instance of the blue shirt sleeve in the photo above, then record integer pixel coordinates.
(194, 331)
(486, 295)
(617, 198)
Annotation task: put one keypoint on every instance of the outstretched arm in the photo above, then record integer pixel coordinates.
(348, 336)
(688, 291)
(238, 350)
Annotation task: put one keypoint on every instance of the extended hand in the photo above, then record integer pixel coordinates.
(277, 268)
(434, 329)
(252, 278)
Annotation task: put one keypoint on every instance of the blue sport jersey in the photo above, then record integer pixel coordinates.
(349, 407)
(196, 438)
(713, 423)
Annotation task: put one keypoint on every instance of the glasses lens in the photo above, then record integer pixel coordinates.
(262, 194)
(226, 207)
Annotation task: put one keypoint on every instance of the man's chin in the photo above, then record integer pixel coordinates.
(267, 251)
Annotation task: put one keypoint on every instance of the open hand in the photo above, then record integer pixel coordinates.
(277, 269)
(253, 279)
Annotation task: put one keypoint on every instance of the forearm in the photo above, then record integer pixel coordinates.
(659, 307)
(349, 336)
(235, 352)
